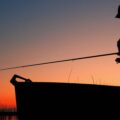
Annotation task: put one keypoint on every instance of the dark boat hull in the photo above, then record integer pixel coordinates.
(34, 99)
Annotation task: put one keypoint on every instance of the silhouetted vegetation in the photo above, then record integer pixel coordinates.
(9, 111)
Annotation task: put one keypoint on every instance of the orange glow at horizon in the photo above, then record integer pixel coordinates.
(7, 96)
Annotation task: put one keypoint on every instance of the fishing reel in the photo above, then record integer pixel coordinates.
(117, 60)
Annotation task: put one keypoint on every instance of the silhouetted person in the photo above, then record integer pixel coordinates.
(118, 45)
(118, 14)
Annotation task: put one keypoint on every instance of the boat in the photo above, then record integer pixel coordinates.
(48, 99)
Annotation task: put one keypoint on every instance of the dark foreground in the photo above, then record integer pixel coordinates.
(36, 100)
(8, 117)
(8, 113)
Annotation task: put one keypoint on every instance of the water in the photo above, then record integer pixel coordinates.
(7, 117)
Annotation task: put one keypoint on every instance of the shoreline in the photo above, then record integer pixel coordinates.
(8, 113)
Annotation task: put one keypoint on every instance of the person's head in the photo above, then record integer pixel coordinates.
(118, 14)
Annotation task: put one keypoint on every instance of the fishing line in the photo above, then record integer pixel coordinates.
(58, 61)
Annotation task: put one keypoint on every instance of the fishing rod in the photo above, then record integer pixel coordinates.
(65, 60)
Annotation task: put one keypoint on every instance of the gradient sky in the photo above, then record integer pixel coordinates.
(34, 31)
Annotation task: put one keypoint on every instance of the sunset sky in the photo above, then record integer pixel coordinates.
(34, 31)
